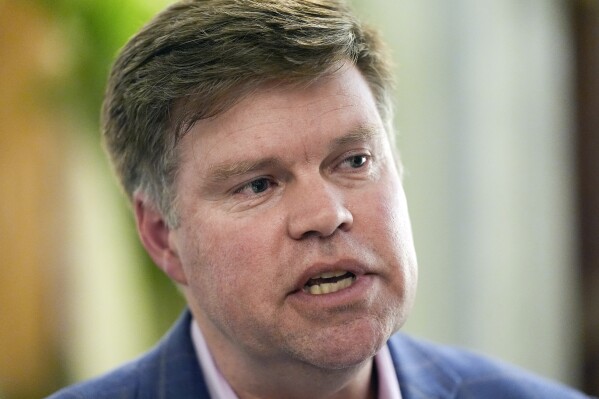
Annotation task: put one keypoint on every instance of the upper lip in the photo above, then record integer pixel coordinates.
(318, 268)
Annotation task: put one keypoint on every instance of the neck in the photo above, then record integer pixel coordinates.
(281, 376)
(259, 381)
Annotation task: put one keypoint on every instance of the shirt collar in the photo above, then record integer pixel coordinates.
(218, 387)
(387, 378)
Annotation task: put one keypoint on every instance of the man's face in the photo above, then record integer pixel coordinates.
(294, 236)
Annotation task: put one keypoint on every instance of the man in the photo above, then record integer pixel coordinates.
(254, 140)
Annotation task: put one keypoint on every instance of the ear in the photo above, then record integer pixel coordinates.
(155, 235)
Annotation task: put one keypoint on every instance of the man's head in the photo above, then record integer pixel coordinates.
(198, 58)
(268, 123)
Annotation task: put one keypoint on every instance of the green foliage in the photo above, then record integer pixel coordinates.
(95, 30)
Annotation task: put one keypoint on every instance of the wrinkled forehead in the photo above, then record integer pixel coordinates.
(216, 98)
(199, 105)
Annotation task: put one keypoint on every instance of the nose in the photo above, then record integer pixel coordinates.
(317, 209)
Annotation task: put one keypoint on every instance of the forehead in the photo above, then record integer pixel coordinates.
(311, 112)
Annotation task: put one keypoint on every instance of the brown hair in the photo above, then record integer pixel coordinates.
(197, 57)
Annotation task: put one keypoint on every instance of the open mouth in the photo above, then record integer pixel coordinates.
(327, 283)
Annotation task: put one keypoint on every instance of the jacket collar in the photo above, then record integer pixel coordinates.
(172, 370)
(419, 373)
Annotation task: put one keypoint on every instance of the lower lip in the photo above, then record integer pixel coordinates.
(352, 294)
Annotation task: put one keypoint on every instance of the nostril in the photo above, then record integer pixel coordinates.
(320, 214)
(345, 226)
(321, 224)
(311, 233)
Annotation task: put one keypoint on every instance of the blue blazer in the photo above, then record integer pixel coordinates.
(424, 371)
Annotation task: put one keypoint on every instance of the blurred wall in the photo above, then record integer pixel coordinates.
(31, 151)
(586, 17)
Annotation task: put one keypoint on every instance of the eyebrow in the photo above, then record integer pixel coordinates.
(225, 171)
(359, 135)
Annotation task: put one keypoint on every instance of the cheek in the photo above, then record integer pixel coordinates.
(229, 258)
(232, 275)
(400, 229)
(398, 212)
(394, 237)
(388, 208)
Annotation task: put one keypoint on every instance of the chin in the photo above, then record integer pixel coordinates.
(344, 360)
(344, 347)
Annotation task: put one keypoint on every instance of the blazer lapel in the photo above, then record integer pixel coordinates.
(420, 374)
(174, 372)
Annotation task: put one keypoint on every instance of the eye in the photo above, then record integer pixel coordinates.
(259, 185)
(357, 161)
(256, 186)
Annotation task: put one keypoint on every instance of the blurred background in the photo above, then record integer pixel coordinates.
(498, 125)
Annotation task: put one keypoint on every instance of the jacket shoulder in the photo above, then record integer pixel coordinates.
(427, 369)
(122, 382)
(168, 371)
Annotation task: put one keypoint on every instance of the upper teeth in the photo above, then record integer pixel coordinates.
(330, 274)
(316, 287)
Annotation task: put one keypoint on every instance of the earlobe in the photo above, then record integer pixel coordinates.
(155, 235)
